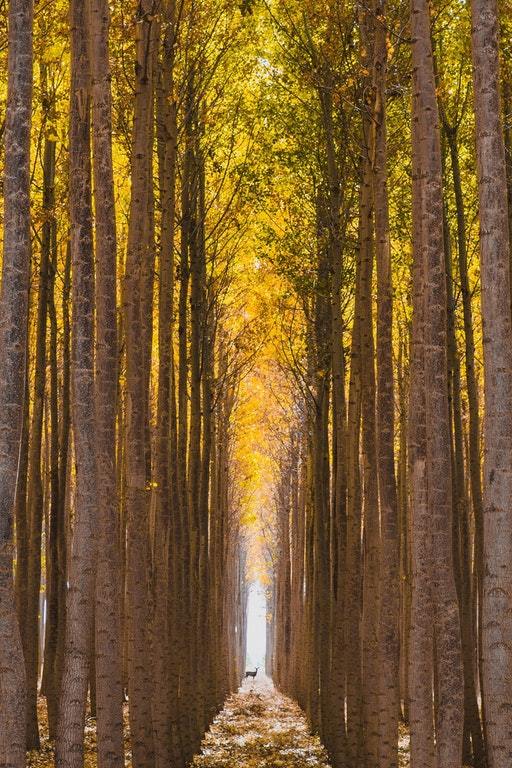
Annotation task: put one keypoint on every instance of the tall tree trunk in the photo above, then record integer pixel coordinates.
(333, 183)
(65, 459)
(108, 586)
(35, 494)
(353, 565)
(13, 346)
(461, 527)
(56, 534)
(186, 716)
(497, 342)
(137, 372)
(166, 658)
(421, 640)
(320, 475)
(197, 299)
(471, 377)
(449, 703)
(80, 596)
(389, 678)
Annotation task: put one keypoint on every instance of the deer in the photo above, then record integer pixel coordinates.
(250, 673)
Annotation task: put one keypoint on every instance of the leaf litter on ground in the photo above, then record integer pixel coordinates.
(260, 728)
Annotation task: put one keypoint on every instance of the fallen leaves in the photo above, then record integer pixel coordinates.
(260, 728)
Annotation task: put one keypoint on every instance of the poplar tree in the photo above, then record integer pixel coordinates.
(13, 346)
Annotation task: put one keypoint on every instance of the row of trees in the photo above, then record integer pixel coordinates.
(121, 369)
(391, 590)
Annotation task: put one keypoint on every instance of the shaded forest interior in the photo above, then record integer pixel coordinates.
(256, 327)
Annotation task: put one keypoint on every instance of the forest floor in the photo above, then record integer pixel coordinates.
(260, 728)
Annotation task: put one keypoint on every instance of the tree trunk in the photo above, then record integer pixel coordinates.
(137, 371)
(389, 679)
(57, 530)
(108, 587)
(449, 705)
(497, 342)
(421, 637)
(35, 495)
(80, 597)
(166, 658)
(13, 346)
(461, 528)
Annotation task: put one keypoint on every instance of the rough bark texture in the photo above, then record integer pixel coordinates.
(13, 345)
(165, 656)
(139, 253)
(80, 596)
(497, 342)
(421, 641)
(448, 669)
(35, 491)
(389, 678)
(108, 585)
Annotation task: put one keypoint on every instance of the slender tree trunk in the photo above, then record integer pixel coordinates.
(473, 751)
(80, 597)
(166, 658)
(405, 548)
(320, 476)
(353, 565)
(13, 346)
(471, 377)
(421, 650)
(137, 372)
(65, 460)
(497, 341)
(389, 678)
(449, 704)
(57, 531)
(35, 493)
(108, 585)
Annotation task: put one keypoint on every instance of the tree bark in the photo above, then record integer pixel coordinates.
(13, 346)
(389, 678)
(449, 703)
(165, 654)
(497, 343)
(421, 640)
(80, 596)
(35, 494)
(107, 641)
(137, 489)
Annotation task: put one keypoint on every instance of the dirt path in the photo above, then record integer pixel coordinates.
(260, 728)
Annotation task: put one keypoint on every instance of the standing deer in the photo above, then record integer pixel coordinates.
(249, 673)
